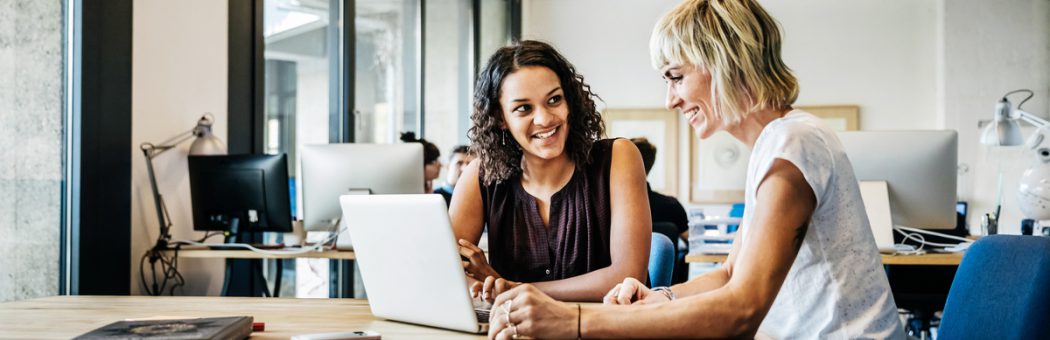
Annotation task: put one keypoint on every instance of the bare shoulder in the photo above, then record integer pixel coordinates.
(623, 148)
(472, 169)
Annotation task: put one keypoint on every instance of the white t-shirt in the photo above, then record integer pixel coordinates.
(836, 288)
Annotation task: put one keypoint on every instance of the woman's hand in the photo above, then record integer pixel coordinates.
(476, 266)
(526, 312)
(632, 291)
(491, 288)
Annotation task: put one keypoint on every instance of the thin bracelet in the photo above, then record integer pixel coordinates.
(666, 291)
(578, 317)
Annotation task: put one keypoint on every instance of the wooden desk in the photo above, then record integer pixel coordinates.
(64, 317)
(929, 259)
(201, 252)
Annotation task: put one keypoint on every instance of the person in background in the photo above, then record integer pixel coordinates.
(565, 210)
(431, 160)
(803, 264)
(460, 157)
(665, 209)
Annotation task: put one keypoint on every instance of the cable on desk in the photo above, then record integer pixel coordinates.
(317, 247)
(915, 234)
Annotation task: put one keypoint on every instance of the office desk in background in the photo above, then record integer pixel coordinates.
(928, 259)
(64, 317)
(201, 252)
(343, 270)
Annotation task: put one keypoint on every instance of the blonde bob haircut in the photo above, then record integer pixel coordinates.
(738, 43)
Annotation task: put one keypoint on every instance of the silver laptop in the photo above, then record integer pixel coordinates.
(409, 261)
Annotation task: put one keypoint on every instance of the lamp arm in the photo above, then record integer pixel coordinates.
(156, 149)
(1036, 121)
(151, 151)
(158, 200)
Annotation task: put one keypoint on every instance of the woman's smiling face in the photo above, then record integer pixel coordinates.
(689, 92)
(535, 112)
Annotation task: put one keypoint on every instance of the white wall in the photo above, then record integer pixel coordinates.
(179, 66)
(909, 64)
(878, 54)
(990, 48)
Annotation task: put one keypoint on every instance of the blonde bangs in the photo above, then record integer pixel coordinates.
(672, 41)
(738, 43)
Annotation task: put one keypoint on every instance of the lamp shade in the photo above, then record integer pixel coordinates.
(206, 143)
(1002, 132)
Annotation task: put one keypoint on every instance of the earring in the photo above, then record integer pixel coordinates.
(503, 138)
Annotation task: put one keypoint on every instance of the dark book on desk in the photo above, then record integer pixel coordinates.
(224, 328)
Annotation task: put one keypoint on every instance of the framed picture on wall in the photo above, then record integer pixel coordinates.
(717, 169)
(660, 127)
(718, 165)
(838, 117)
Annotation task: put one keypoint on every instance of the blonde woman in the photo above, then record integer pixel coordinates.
(803, 264)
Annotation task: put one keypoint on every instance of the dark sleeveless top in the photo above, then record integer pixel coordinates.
(522, 249)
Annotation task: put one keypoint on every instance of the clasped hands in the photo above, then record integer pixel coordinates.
(525, 311)
(485, 282)
(521, 310)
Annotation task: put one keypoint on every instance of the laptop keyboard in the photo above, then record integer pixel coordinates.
(482, 314)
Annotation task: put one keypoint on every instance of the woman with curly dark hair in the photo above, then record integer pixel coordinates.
(565, 210)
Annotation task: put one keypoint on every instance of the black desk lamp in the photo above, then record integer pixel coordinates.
(204, 143)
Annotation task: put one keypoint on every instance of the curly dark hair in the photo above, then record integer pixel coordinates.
(498, 161)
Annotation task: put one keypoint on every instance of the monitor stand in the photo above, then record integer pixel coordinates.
(342, 242)
(245, 277)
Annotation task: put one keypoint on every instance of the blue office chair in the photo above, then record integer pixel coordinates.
(661, 261)
(1001, 291)
(737, 210)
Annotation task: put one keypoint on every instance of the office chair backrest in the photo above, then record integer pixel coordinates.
(1001, 291)
(661, 261)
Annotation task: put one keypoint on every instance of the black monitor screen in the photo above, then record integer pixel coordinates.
(249, 190)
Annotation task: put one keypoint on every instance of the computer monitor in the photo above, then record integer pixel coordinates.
(919, 168)
(333, 170)
(242, 193)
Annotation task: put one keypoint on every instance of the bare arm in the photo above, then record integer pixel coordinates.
(711, 280)
(785, 203)
(630, 232)
(466, 208)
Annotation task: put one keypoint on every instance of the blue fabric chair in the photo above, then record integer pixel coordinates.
(1001, 291)
(661, 261)
(736, 211)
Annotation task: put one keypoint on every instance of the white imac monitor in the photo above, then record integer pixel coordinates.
(333, 170)
(920, 168)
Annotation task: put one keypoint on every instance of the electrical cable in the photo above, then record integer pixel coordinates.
(1030, 95)
(915, 235)
(168, 268)
(916, 230)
